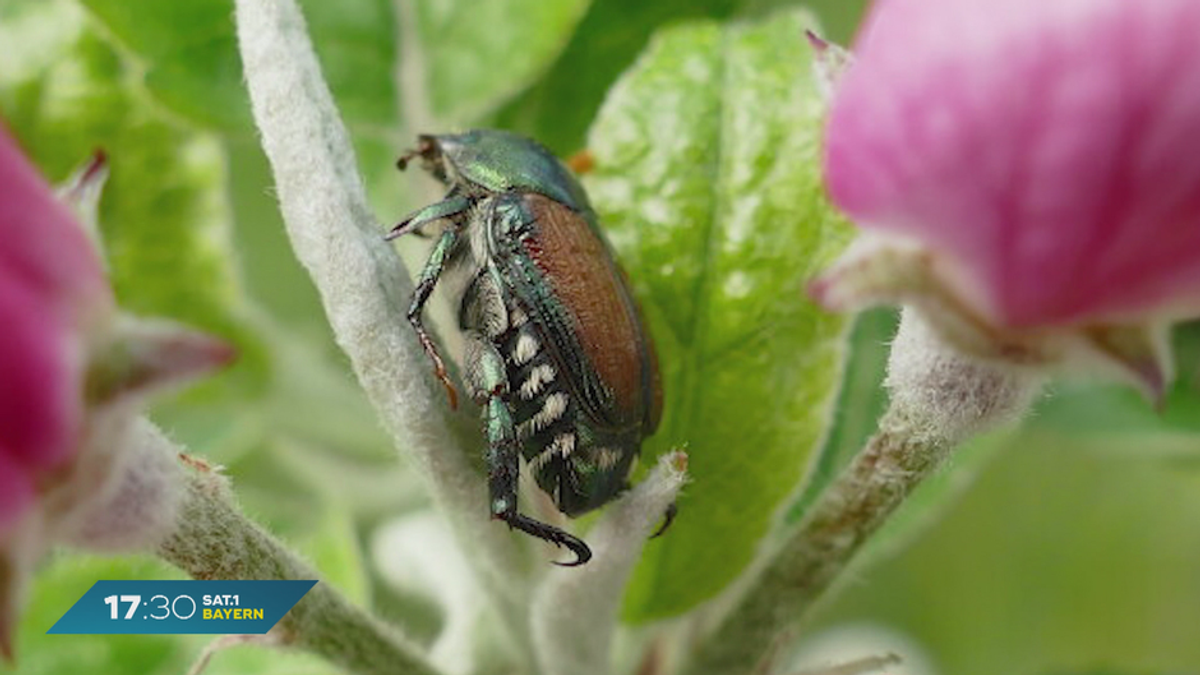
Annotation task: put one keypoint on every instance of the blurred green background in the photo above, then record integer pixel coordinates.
(1070, 547)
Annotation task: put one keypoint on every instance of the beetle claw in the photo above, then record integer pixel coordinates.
(668, 518)
(580, 549)
(553, 535)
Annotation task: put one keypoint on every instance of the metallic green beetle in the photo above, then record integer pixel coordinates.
(555, 350)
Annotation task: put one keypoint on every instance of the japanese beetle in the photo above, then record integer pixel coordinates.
(555, 351)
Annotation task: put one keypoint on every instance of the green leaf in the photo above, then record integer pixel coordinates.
(466, 58)
(479, 53)
(707, 178)
(559, 107)
(188, 53)
(356, 42)
(471, 56)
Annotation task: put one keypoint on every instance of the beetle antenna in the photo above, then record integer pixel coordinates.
(425, 146)
(402, 162)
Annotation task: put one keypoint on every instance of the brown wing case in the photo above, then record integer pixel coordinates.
(576, 263)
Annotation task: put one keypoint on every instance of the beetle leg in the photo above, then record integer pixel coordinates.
(429, 278)
(452, 205)
(503, 458)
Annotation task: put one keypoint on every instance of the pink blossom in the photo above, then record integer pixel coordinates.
(52, 293)
(1045, 153)
(78, 465)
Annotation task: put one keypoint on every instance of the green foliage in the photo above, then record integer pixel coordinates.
(463, 42)
(165, 221)
(1058, 559)
(558, 108)
(860, 402)
(706, 177)
(186, 53)
(707, 180)
(1105, 409)
(63, 581)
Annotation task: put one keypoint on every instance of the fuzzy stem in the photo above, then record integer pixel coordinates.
(215, 540)
(575, 610)
(878, 480)
(223, 642)
(938, 400)
(364, 286)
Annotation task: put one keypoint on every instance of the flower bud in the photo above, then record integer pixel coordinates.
(53, 296)
(1027, 171)
(76, 464)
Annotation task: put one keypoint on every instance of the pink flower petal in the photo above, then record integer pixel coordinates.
(41, 400)
(43, 247)
(1048, 148)
(51, 290)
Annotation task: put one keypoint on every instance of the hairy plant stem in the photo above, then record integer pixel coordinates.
(574, 612)
(878, 480)
(365, 290)
(215, 540)
(939, 399)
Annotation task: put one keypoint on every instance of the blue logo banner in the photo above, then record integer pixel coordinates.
(138, 607)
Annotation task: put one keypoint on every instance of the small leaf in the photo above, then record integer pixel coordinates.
(707, 178)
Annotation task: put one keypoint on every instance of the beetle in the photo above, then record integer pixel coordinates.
(555, 350)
